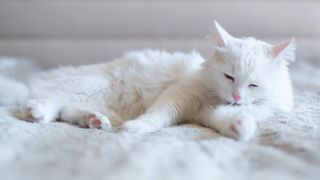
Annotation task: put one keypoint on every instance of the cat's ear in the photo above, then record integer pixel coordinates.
(220, 36)
(285, 49)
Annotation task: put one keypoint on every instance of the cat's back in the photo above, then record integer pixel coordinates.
(155, 65)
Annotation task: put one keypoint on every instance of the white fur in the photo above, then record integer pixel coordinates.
(14, 72)
(12, 92)
(149, 90)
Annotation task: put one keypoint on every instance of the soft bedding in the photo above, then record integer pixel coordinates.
(285, 147)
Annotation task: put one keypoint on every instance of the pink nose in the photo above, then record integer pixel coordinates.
(236, 96)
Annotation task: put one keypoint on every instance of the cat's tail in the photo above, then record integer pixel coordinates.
(14, 75)
(12, 92)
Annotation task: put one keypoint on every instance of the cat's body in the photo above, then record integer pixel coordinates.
(125, 88)
(243, 82)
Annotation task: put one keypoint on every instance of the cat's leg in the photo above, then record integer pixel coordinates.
(149, 122)
(239, 123)
(84, 117)
(169, 109)
(41, 110)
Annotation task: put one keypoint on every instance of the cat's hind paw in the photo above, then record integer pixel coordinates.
(40, 110)
(97, 120)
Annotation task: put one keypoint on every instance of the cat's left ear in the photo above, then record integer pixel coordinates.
(285, 50)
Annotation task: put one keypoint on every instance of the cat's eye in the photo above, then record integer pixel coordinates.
(253, 85)
(228, 77)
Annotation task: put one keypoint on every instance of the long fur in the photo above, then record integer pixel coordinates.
(148, 90)
(14, 75)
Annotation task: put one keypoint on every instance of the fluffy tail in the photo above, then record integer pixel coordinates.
(12, 92)
(14, 73)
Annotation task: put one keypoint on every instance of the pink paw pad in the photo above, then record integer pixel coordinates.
(234, 129)
(92, 121)
(30, 116)
(239, 121)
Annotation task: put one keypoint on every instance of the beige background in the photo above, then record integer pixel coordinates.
(57, 32)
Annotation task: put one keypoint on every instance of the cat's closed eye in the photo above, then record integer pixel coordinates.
(228, 77)
(253, 85)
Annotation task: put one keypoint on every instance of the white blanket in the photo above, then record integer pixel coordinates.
(285, 147)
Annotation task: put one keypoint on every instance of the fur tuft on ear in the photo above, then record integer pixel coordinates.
(285, 50)
(220, 36)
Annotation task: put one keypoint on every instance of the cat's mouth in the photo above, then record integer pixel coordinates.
(236, 104)
(233, 104)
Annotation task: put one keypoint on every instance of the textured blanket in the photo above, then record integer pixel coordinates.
(286, 146)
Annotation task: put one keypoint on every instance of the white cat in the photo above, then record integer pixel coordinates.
(244, 81)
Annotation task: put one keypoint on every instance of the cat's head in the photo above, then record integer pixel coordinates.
(245, 70)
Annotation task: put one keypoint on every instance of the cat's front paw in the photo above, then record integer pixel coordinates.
(138, 127)
(241, 128)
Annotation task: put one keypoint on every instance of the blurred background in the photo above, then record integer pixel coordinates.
(64, 32)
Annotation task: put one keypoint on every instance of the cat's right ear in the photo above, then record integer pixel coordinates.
(219, 36)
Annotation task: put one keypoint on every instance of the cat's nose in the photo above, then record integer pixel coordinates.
(236, 96)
